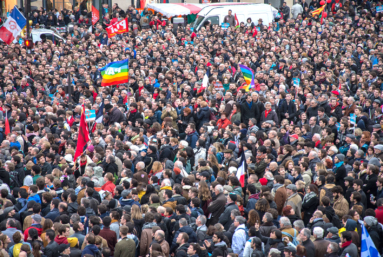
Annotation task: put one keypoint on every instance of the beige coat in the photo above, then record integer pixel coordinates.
(341, 206)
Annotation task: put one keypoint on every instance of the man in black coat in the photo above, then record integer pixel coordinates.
(287, 108)
(51, 250)
(225, 218)
(249, 109)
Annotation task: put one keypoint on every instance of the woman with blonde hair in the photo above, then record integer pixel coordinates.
(157, 169)
(137, 219)
(48, 224)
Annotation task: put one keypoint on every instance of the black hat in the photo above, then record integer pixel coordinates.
(30, 128)
(233, 197)
(90, 184)
(63, 247)
(108, 107)
(8, 105)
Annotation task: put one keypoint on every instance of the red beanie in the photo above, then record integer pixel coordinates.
(263, 181)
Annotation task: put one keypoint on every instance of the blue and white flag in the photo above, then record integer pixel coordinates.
(368, 248)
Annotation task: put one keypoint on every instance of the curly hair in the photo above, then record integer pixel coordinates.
(262, 205)
(203, 191)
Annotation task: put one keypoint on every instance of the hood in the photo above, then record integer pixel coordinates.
(149, 225)
(351, 225)
(169, 165)
(221, 244)
(61, 240)
(276, 186)
(98, 171)
(92, 248)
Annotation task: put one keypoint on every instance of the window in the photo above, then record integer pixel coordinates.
(214, 20)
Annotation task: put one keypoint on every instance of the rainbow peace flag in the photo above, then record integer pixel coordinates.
(115, 73)
(248, 75)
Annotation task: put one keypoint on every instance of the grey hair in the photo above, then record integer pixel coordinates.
(317, 135)
(140, 165)
(334, 247)
(213, 149)
(306, 232)
(202, 218)
(334, 149)
(75, 217)
(241, 220)
(269, 217)
(318, 231)
(360, 152)
(6, 142)
(269, 175)
(183, 222)
(285, 221)
(267, 103)
(235, 213)
(314, 154)
(219, 188)
(253, 139)
(299, 224)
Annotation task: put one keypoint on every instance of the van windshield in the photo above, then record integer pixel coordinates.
(198, 21)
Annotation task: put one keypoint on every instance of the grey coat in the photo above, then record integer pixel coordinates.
(225, 219)
(351, 250)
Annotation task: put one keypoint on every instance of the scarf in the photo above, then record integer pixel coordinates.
(344, 245)
(317, 143)
(82, 164)
(333, 107)
(267, 112)
(133, 111)
(336, 166)
(259, 158)
(125, 101)
(155, 96)
(309, 196)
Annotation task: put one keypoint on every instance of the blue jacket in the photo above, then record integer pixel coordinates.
(53, 214)
(192, 139)
(158, 114)
(90, 249)
(35, 198)
(239, 240)
(124, 202)
(251, 203)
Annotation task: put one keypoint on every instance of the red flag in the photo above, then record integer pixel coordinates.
(236, 20)
(83, 135)
(95, 15)
(7, 128)
(120, 27)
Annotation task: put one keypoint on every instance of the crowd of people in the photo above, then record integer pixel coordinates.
(160, 175)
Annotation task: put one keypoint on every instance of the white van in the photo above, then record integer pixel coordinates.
(217, 13)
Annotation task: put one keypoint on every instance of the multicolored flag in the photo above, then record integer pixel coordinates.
(12, 26)
(248, 75)
(7, 129)
(318, 11)
(115, 73)
(120, 27)
(241, 170)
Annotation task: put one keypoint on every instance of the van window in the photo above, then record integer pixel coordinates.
(214, 20)
(198, 21)
(49, 36)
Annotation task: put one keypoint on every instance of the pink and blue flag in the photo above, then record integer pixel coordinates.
(12, 26)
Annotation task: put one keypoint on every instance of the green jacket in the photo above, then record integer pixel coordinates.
(126, 247)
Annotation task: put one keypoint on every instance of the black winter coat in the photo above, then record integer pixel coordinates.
(112, 168)
(185, 120)
(247, 113)
(308, 208)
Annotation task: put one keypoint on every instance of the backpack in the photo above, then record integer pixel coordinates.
(336, 7)
(295, 241)
(212, 116)
(328, 193)
(247, 232)
(14, 179)
(336, 221)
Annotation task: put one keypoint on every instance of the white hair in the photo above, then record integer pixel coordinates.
(285, 221)
(334, 149)
(184, 143)
(219, 188)
(318, 232)
(314, 154)
(140, 165)
(167, 182)
(179, 164)
(318, 136)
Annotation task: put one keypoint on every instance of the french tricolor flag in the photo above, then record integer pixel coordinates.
(242, 169)
(13, 26)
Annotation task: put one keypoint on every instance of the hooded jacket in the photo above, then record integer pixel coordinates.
(90, 249)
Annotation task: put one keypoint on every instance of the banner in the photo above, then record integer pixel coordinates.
(120, 27)
(90, 115)
(95, 15)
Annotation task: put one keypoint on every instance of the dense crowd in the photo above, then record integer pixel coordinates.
(160, 174)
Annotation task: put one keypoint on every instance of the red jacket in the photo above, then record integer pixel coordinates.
(109, 186)
(38, 227)
(223, 123)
